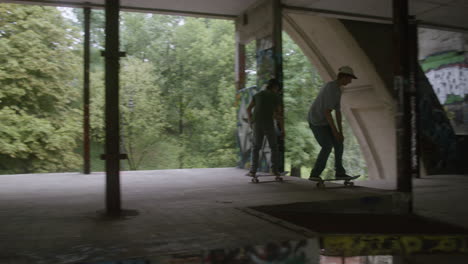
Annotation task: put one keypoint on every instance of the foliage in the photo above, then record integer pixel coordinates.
(177, 92)
(301, 86)
(38, 96)
(179, 72)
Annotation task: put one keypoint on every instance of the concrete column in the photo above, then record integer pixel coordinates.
(240, 66)
(86, 126)
(414, 97)
(401, 85)
(278, 68)
(112, 156)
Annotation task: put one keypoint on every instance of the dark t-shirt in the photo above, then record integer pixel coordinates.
(266, 103)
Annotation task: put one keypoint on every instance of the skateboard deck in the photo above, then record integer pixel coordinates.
(277, 178)
(347, 182)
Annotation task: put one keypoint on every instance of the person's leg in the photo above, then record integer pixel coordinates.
(257, 145)
(324, 138)
(270, 133)
(339, 148)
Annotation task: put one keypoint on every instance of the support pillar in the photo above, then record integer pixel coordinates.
(262, 23)
(414, 97)
(402, 89)
(86, 125)
(240, 66)
(278, 69)
(112, 156)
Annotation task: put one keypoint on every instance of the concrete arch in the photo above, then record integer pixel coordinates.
(367, 103)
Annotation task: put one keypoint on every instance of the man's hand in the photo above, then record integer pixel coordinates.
(249, 112)
(338, 136)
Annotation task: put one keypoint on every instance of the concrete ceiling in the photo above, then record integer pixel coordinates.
(442, 13)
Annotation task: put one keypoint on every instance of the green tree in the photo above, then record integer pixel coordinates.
(39, 118)
(142, 111)
(197, 85)
(301, 86)
(192, 66)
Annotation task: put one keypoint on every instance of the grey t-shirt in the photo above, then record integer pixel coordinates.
(329, 97)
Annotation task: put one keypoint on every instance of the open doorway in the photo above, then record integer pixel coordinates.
(177, 93)
(176, 97)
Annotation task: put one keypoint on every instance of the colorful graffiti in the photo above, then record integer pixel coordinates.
(364, 245)
(438, 139)
(293, 252)
(265, 71)
(245, 134)
(128, 261)
(448, 74)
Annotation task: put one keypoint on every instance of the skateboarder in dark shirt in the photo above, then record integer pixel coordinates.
(323, 126)
(267, 108)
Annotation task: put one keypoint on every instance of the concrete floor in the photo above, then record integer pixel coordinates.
(52, 218)
(440, 197)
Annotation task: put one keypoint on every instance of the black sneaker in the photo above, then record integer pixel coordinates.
(251, 174)
(315, 178)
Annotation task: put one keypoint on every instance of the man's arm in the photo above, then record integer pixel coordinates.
(279, 117)
(249, 111)
(339, 121)
(337, 134)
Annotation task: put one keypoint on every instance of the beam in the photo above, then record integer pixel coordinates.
(112, 57)
(368, 18)
(79, 4)
(288, 8)
(401, 86)
(86, 125)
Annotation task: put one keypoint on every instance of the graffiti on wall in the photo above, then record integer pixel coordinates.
(245, 133)
(299, 252)
(450, 83)
(293, 252)
(438, 140)
(265, 71)
(362, 245)
(448, 74)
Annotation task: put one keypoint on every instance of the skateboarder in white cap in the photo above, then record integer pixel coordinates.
(328, 134)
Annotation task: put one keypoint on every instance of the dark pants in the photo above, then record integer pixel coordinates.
(259, 133)
(327, 141)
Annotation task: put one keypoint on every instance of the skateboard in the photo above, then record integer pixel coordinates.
(277, 178)
(347, 182)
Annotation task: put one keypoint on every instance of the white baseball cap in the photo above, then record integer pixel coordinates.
(347, 70)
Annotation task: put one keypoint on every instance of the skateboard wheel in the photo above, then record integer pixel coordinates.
(279, 179)
(254, 180)
(349, 183)
(320, 185)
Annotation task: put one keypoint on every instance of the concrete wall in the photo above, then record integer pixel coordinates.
(367, 102)
(438, 41)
